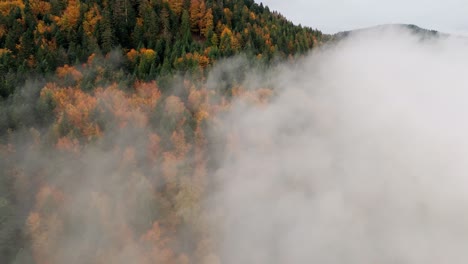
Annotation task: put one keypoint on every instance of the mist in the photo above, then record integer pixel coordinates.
(360, 157)
(354, 153)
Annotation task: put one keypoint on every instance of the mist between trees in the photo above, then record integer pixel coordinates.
(355, 153)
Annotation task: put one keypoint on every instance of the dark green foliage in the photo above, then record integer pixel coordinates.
(44, 109)
(162, 41)
(131, 24)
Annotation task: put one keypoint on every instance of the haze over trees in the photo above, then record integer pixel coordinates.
(108, 122)
(205, 131)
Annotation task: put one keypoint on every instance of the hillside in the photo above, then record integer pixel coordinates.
(109, 123)
(155, 37)
(204, 132)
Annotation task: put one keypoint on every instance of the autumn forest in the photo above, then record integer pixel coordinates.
(109, 114)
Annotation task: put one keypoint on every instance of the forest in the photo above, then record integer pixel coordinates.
(109, 122)
(154, 37)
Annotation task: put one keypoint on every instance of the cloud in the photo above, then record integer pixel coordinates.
(361, 157)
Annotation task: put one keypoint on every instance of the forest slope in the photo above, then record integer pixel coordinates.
(108, 122)
(155, 37)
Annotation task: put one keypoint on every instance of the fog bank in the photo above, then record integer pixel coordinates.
(362, 157)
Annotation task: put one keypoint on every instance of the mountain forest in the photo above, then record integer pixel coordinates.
(109, 136)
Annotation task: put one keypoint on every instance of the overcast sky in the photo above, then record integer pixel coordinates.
(332, 16)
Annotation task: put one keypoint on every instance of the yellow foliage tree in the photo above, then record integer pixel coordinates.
(174, 106)
(39, 7)
(91, 18)
(70, 16)
(6, 6)
(176, 6)
(207, 23)
(194, 13)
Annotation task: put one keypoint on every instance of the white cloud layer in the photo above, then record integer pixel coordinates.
(361, 158)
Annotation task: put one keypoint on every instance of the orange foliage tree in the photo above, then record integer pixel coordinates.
(70, 16)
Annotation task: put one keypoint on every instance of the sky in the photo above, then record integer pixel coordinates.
(331, 16)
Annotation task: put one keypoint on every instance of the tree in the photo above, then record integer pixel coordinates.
(176, 6)
(166, 25)
(207, 23)
(194, 14)
(185, 29)
(28, 47)
(107, 34)
(70, 16)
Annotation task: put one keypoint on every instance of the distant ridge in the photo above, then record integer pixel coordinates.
(424, 33)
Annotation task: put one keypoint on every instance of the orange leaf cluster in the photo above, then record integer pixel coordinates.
(180, 145)
(132, 55)
(67, 70)
(129, 109)
(40, 7)
(7, 6)
(44, 229)
(74, 104)
(158, 246)
(92, 17)
(67, 144)
(147, 95)
(70, 16)
(4, 52)
(176, 5)
(174, 106)
(202, 60)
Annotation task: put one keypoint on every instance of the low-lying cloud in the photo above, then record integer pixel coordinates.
(360, 157)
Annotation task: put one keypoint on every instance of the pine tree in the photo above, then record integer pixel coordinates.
(107, 34)
(185, 29)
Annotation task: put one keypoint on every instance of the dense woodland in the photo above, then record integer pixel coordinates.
(108, 126)
(155, 37)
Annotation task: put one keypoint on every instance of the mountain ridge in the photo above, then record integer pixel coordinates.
(411, 27)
